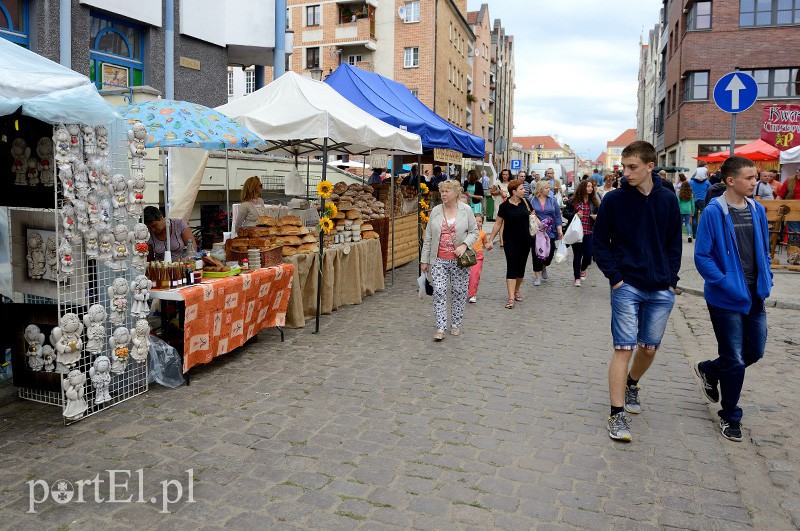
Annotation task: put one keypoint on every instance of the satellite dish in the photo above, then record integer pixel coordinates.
(401, 12)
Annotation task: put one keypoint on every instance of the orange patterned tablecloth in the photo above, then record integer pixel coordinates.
(224, 313)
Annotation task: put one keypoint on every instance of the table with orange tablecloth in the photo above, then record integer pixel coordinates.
(223, 313)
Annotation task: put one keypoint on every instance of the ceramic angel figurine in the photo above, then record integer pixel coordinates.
(136, 187)
(118, 293)
(20, 153)
(73, 390)
(33, 171)
(93, 172)
(119, 251)
(65, 256)
(51, 254)
(92, 245)
(101, 135)
(93, 208)
(119, 348)
(66, 339)
(44, 148)
(48, 358)
(101, 379)
(68, 223)
(140, 287)
(61, 143)
(35, 340)
(36, 256)
(139, 238)
(81, 215)
(74, 131)
(67, 182)
(141, 340)
(80, 178)
(137, 137)
(105, 246)
(119, 196)
(95, 322)
(89, 143)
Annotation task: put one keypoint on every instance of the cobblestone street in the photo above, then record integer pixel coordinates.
(371, 424)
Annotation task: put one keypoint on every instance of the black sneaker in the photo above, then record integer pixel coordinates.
(632, 404)
(731, 430)
(709, 389)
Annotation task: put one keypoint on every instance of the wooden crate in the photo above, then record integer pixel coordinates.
(406, 240)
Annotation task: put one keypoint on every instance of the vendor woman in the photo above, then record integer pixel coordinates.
(180, 235)
(252, 206)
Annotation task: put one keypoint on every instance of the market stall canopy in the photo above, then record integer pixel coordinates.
(48, 91)
(755, 151)
(393, 103)
(295, 114)
(790, 156)
(670, 169)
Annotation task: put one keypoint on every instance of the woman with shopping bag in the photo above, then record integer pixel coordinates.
(546, 208)
(584, 207)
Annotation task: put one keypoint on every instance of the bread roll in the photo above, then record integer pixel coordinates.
(366, 226)
(340, 187)
(290, 220)
(288, 250)
(352, 214)
(307, 248)
(260, 232)
(339, 216)
(289, 230)
(309, 238)
(345, 205)
(305, 230)
(288, 240)
(369, 235)
(266, 221)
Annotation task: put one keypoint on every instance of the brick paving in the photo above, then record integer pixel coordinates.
(372, 425)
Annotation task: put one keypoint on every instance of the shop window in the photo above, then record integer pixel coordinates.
(313, 15)
(249, 81)
(116, 52)
(412, 11)
(312, 58)
(699, 16)
(695, 86)
(14, 21)
(411, 57)
(768, 12)
(777, 82)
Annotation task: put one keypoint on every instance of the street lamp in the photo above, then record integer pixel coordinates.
(316, 73)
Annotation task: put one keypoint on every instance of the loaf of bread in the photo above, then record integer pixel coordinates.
(307, 248)
(266, 221)
(352, 214)
(366, 226)
(288, 250)
(369, 235)
(290, 220)
(289, 230)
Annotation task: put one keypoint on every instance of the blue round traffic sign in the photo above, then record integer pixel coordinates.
(735, 92)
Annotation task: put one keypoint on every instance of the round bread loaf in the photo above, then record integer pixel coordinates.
(369, 235)
(288, 250)
(266, 221)
(290, 220)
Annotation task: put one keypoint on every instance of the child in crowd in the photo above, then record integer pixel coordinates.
(475, 271)
(686, 204)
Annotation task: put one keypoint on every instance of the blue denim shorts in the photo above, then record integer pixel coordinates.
(639, 317)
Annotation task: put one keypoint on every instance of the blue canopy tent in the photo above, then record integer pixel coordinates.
(393, 103)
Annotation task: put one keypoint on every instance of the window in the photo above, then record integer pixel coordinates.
(484, 79)
(660, 122)
(313, 15)
(353, 59)
(695, 86)
(249, 81)
(116, 49)
(415, 92)
(312, 58)
(674, 97)
(449, 109)
(412, 11)
(14, 21)
(777, 82)
(449, 71)
(768, 12)
(230, 83)
(699, 16)
(411, 57)
(669, 101)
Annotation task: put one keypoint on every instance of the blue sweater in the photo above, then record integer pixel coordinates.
(637, 237)
(716, 256)
(699, 188)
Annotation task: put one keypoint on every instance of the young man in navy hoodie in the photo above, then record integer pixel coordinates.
(732, 256)
(637, 245)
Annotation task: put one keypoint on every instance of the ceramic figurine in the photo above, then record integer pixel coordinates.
(101, 135)
(20, 153)
(61, 143)
(95, 322)
(119, 196)
(105, 173)
(44, 148)
(137, 138)
(106, 210)
(119, 251)
(67, 265)
(105, 245)
(139, 238)
(93, 172)
(36, 256)
(141, 340)
(91, 244)
(68, 223)
(66, 339)
(93, 208)
(101, 379)
(136, 187)
(74, 131)
(89, 143)
(81, 215)
(51, 254)
(35, 340)
(118, 293)
(67, 182)
(73, 390)
(61, 368)
(119, 348)
(48, 358)
(80, 178)
(33, 171)
(140, 287)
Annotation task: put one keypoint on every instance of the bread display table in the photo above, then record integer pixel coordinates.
(221, 314)
(346, 279)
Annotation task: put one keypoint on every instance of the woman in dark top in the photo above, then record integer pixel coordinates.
(474, 190)
(512, 219)
(584, 205)
(180, 234)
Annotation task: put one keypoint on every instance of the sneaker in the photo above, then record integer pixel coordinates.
(618, 428)
(577, 283)
(544, 274)
(455, 331)
(473, 299)
(730, 430)
(537, 281)
(439, 335)
(632, 404)
(583, 274)
(709, 389)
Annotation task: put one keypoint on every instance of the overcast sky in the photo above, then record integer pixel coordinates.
(577, 63)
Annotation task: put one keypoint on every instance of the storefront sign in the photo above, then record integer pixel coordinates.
(781, 126)
(194, 64)
(447, 156)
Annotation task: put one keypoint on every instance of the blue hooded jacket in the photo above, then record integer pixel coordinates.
(716, 257)
(637, 237)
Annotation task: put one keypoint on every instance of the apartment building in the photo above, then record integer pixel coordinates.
(501, 93)
(649, 68)
(479, 83)
(614, 149)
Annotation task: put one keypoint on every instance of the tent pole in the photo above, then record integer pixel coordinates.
(308, 178)
(364, 169)
(168, 250)
(321, 234)
(419, 211)
(394, 173)
(227, 190)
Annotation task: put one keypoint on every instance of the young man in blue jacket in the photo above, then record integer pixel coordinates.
(637, 245)
(732, 256)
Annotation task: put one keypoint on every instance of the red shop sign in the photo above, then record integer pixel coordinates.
(781, 127)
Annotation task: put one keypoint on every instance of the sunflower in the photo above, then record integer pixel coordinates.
(423, 204)
(331, 210)
(324, 189)
(326, 224)
(423, 217)
(423, 188)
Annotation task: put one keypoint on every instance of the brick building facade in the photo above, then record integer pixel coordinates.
(481, 73)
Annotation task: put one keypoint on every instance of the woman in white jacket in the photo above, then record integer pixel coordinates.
(451, 230)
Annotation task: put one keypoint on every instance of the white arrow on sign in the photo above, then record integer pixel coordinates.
(734, 87)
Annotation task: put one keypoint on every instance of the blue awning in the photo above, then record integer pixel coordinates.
(393, 103)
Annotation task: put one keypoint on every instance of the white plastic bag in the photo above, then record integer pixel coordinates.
(561, 252)
(574, 232)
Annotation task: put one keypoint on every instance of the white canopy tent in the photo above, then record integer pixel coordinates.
(790, 162)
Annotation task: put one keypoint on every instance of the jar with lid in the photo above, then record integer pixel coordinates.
(218, 252)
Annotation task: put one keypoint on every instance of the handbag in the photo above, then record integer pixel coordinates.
(468, 258)
(533, 221)
(574, 233)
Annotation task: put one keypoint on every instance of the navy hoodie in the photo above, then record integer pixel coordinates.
(637, 237)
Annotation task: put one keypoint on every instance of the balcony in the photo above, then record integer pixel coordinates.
(356, 23)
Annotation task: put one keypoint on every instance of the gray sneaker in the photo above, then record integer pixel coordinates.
(544, 273)
(618, 428)
(537, 281)
(632, 404)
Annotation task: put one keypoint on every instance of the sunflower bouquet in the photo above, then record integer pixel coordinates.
(326, 224)
(423, 189)
(325, 189)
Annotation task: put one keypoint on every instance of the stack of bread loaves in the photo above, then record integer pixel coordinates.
(360, 198)
(287, 232)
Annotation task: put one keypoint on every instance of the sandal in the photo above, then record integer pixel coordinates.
(510, 304)
(518, 296)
